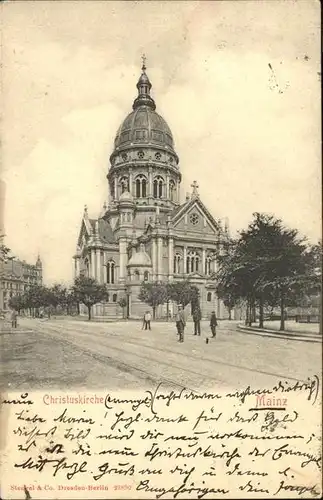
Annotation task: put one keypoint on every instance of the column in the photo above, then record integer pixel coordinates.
(203, 260)
(170, 258)
(105, 267)
(184, 258)
(167, 187)
(177, 191)
(150, 182)
(98, 265)
(77, 267)
(160, 258)
(130, 180)
(115, 187)
(93, 263)
(122, 258)
(154, 259)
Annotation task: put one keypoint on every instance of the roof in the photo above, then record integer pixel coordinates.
(105, 231)
(140, 259)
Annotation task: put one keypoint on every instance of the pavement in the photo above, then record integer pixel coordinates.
(303, 336)
(71, 355)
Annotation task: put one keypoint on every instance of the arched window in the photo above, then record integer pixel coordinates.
(146, 276)
(209, 296)
(172, 190)
(158, 187)
(114, 297)
(208, 261)
(110, 272)
(87, 268)
(192, 262)
(141, 186)
(177, 260)
(124, 183)
(107, 298)
(136, 275)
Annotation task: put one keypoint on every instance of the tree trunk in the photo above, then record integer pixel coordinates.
(230, 316)
(247, 314)
(154, 312)
(78, 308)
(261, 312)
(253, 311)
(282, 311)
(89, 312)
(167, 310)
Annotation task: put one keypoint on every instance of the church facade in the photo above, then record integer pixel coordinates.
(146, 233)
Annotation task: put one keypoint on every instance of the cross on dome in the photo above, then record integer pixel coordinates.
(144, 59)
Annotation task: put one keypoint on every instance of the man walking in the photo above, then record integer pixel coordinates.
(180, 323)
(213, 324)
(14, 319)
(197, 321)
(147, 320)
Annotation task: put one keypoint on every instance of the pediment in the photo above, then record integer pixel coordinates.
(194, 216)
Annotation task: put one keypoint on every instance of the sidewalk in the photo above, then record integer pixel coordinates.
(300, 333)
(5, 327)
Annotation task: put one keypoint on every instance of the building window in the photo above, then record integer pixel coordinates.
(192, 262)
(114, 297)
(141, 155)
(194, 218)
(158, 187)
(158, 156)
(124, 183)
(208, 261)
(146, 276)
(209, 296)
(107, 298)
(137, 275)
(172, 190)
(110, 272)
(141, 186)
(177, 260)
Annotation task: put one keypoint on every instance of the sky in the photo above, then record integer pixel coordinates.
(237, 82)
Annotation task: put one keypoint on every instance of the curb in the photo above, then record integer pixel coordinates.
(275, 334)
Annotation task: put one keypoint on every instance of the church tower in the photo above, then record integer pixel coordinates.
(145, 233)
(144, 161)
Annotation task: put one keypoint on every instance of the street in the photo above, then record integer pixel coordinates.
(71, 354)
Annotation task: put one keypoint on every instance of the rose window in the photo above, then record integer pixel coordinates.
(194, 218)
(158, 156)
(141, 155)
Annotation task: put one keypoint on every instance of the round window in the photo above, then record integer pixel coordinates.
(158, 156)
(141, 154)
(194, 218)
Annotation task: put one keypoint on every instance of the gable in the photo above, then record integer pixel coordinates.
(85, 230)
(194, 217)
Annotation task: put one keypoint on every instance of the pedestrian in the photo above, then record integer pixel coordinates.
(197, 321)
(180, 323)
(14, 319)
(213, 324)
(147, 320)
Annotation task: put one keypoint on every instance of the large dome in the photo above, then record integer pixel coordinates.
(144, 126)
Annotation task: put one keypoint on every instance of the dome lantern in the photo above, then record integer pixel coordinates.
(144, 87)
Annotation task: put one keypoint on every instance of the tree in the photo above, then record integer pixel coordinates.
(17, 303)
(264, 264)
(183, 292)
(123, 304)
(89, 292)
(153, 294)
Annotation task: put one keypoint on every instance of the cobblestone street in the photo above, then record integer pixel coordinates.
(71, 354)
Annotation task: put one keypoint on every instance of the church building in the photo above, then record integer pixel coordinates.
(146, 233)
